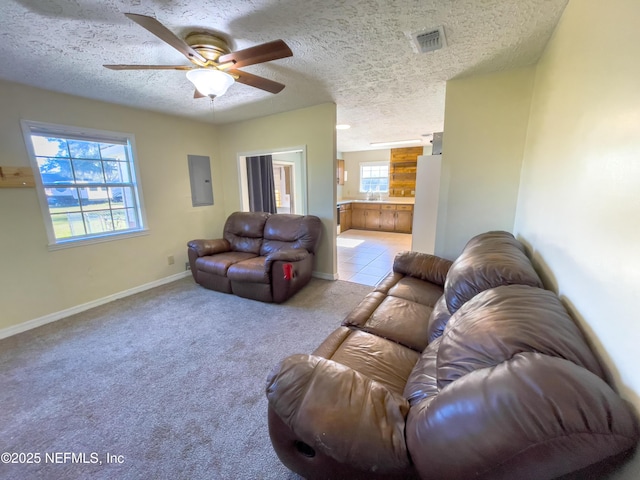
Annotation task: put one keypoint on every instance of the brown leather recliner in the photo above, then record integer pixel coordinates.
(459, 371)
(262, 256)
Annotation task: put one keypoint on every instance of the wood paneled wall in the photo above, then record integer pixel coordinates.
(402, 171)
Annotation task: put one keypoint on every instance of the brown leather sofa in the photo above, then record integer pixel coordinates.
(262, 256)
(445, 371)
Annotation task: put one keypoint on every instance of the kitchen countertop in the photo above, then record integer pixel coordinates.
(399, 201)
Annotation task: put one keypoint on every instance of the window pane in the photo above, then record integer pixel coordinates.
(79, 149)
(117, 172)
(62, 199)
(55, 170)
(110, 151)
(98, 222)
(87, 171)
(49, 147)
(67, 225)
(124, 219)
(116, 197)
(94, 198)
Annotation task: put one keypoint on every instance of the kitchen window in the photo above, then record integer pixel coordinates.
(374, 177)
(87, 184)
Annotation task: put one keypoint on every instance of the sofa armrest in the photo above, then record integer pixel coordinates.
(286, 255)
(209, 247)
(500, 422)
(423, 266)
(340, 412)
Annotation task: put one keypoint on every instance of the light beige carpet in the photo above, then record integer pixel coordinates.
(170, 382)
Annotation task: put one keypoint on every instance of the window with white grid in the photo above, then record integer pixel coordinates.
(374, 177)
(88, 185)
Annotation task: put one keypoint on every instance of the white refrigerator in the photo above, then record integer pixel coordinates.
(425, 210)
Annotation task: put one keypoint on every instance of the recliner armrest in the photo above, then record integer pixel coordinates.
(209, 247)
(340, 412)
(499, 422)
(286, 255)
(423, 266)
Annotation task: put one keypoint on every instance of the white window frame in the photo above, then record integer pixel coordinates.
(373, 164)
(30, 128)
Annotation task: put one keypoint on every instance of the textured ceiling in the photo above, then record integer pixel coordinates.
(355, 53)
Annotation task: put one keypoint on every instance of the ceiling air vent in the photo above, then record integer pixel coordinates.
(429, 40)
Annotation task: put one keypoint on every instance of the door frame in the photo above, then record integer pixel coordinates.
(300, 180)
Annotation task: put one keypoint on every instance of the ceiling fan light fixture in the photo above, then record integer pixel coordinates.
(209, 81)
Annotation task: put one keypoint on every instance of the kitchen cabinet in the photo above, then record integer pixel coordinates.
(387, 217)
(404, 219)
(345, 216)
(358, 217)
(372, 219)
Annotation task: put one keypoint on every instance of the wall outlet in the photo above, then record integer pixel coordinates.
(187, 266)
(170, 260)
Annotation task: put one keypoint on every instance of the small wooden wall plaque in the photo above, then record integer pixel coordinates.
(16, 177)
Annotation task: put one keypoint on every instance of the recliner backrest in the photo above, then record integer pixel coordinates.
(284, 231)
(488, 260)
(244, 231)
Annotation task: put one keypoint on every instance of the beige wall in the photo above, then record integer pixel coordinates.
(36, 282)
(312, 127)
(484, 133)
(579, 205)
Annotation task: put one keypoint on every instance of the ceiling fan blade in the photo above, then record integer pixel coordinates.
(257, 82)
(166, 35)
(258, 54)
(149, 67)
(197, 94)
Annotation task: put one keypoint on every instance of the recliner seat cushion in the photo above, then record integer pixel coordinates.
(375, 357)
(251, 270)
(416, 290)
(219, 263)
(401, 321)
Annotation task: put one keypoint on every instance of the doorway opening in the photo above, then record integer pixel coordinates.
(283, 176)
(289, 175)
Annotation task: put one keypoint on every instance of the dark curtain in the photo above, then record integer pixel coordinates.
(262, 192)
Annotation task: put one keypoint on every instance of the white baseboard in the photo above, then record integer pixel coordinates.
(52, 317)
(325, 276)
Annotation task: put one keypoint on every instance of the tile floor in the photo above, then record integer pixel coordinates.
(366, 257)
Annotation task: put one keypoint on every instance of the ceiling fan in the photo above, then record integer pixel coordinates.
(215, 66)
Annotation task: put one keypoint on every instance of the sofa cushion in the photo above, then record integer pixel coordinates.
(438, 319)
(251, 270)
(243, 231)
(377, 358)
(415, 290)
(423, 266)
(284, 231)
(530, 417)
(219, 263)
(488, 260)
(423, 381)
(505, 321)
(388, 282)
(400, 320)
(359, 315)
